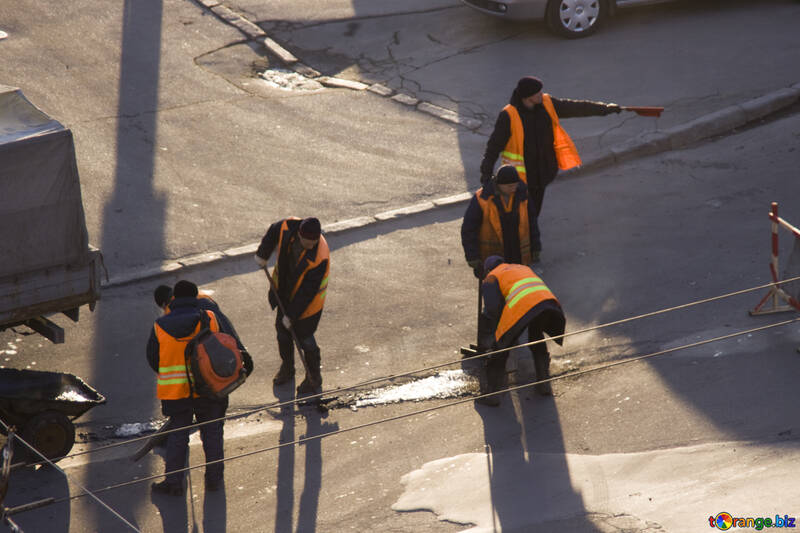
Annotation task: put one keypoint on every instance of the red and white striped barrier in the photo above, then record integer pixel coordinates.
(776, 294)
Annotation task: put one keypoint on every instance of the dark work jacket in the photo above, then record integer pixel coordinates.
(540, 157)
(182, 321)
(509, 222)
(289, 272)
(551, 316)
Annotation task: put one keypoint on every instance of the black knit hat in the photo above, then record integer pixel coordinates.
(528, 86)
(184, 289)
(492, 262)
(506, 174)
(162, 295)
(310, 229)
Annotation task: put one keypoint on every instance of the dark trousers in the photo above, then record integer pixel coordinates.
(496, 364)
(535, 199)
(305, 336)
(183, 412)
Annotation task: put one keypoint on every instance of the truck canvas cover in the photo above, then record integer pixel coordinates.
(40, 193)
(47, 264)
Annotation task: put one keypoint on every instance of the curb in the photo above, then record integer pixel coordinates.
(713, 124)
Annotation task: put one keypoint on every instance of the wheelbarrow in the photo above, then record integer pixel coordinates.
(43, 405)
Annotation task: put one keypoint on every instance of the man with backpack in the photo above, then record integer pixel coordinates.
(166, 354)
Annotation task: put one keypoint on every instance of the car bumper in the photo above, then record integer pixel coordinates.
(511, 9)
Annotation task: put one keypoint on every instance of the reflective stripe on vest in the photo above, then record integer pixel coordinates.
(323, 253)
(514, 152)
(522, 289)
(490, 236)
(566, 153)
(173, 380)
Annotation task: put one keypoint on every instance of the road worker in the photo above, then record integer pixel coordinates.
(166, 356)
(301, 274)
(528, 135)
(496, 222)
(515, 299)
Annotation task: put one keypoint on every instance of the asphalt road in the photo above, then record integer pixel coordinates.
(642, 447)
(651, 234)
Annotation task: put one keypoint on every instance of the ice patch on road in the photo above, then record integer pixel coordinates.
(446, 384)
(289, 80)
(136, 428)
(672, 490)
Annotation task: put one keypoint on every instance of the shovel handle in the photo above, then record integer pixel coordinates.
(274, 290)
(645, 111)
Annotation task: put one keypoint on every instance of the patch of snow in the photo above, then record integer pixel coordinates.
(446, 384)
(71, 395)
(504, 491)
(136, 428)
(288, 80)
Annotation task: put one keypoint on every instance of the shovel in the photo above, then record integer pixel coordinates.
(274, 290)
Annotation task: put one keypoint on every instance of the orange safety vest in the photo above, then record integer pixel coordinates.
(490, 236)
(513, 154)
(323, 253)
(173, 379)
(566, 153)
(522, 289)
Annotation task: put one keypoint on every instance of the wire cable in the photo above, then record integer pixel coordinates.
(86, 492)
(310, 398)
(577, 373)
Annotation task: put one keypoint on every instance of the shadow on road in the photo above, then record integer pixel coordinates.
(529, 477)
(312, 484)
(136, 135)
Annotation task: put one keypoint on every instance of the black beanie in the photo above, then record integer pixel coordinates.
(492, 262)
(506, 174)
(310, 228)
(162, 295)
(184, 289)
(528, 86)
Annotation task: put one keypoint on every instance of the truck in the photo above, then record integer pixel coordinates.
(48, 266)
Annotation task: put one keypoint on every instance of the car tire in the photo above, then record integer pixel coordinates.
(574, 19)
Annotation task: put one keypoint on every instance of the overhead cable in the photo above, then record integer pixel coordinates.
(309, 399)
(304, 440)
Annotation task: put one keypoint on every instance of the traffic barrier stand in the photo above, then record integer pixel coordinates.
(782, 296)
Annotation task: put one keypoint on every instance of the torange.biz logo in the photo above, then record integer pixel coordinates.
(726, 521)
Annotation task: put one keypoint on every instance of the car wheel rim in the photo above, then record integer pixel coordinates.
(579, 15)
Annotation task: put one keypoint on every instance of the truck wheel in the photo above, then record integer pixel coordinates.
(576, 18)
(50, 432)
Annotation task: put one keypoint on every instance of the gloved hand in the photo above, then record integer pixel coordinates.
(485, 178)
(261, 261)
(476, 266)
(286, 322)
(613, 108)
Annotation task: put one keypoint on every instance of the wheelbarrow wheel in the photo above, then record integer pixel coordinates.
(50, 432)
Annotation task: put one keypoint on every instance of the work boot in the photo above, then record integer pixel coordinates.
(285, 373)
(312, 384)
(490, 382)
(541, 362)
(165, 487)
(307, 387)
